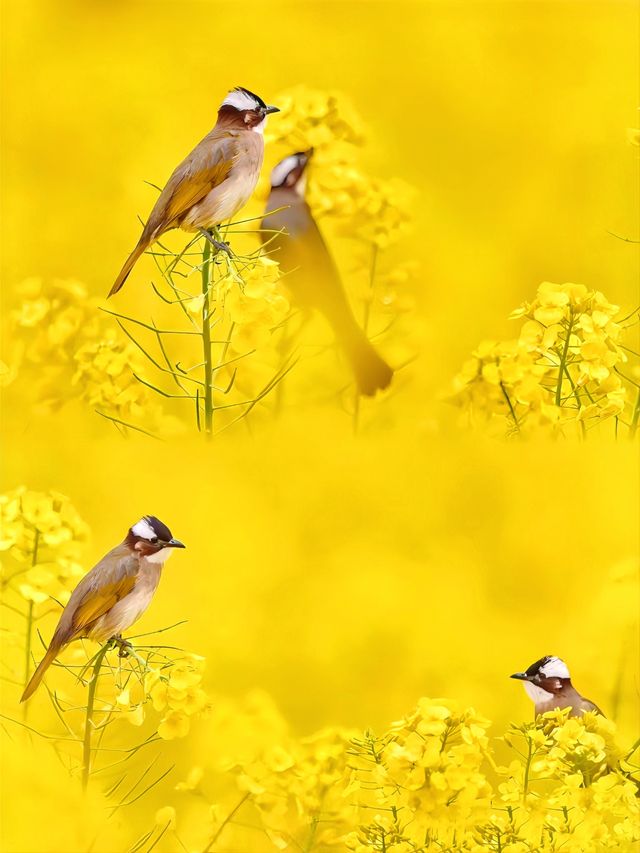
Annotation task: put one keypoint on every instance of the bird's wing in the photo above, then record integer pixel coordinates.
(110, 580)
(205, 168)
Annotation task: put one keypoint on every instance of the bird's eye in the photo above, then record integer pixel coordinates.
(154, 541)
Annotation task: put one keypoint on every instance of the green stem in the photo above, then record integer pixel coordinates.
(227, 819)
(88, 722)
(525, 787)
(574, 389)
(516, 423)
(206, 339)
(563, 361)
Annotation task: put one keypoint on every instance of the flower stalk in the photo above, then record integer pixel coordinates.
(88, 722)
(207, 275)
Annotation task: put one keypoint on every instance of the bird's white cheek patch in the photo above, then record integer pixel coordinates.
(536, 693)
(160, 556)
(259, 128)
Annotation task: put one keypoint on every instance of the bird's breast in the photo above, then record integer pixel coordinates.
(227, 198)
(131, 607)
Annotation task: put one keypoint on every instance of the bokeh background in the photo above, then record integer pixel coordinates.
(347, 576)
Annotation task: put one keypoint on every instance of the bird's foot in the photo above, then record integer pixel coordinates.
(219, 245)
(125, 648)
(223, 247)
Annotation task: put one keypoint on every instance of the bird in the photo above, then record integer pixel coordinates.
(214, 181)
(114, 594)
(311, 275)
(548, 684)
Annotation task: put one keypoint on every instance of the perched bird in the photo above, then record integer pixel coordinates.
(215, 180)
(314, 281)
(548, 683)
(114, 594)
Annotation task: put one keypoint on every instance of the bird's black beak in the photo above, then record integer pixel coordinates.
(521, 676)
(271, 109)
(175, 543)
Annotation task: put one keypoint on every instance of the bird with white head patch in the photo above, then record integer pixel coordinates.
(548, 684)
(312, 277)
(114, 594)
(214, 181)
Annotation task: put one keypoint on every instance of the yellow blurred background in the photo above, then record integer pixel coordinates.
(347, 576)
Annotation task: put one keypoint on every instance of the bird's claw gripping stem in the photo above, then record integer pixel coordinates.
(125, 648)
(219, 245)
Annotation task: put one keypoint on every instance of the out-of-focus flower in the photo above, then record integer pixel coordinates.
(61, 316)
(298, 787)
(10, 368)
(192, 782)
(633, 135)
(166, 817)
(312, 118)
(364, 207)
(105, 373)
(68, 343)
(393, 291)
(43, 531)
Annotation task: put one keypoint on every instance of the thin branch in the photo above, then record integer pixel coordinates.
(227, 820)
(147, 326)
(127, 425)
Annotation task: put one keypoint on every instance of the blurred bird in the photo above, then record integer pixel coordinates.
(114, 594)
(314, 281)
(548, 683)
(215, 180)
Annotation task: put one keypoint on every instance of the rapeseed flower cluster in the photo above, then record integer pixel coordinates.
(255, 304)
(42, 535)
(107, 372)
(423, 779)
(68, 348)
(144, 686)
(570, 788)
(52, 321)
(62, 314)
(299, 789)
(430, 783)
(566, 367)
(221, 352)
(365, 207)
(313, 118)
(177, 694)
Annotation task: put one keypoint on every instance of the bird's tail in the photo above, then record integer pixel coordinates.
(371, 371)
(128, 266)
(37, 676)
